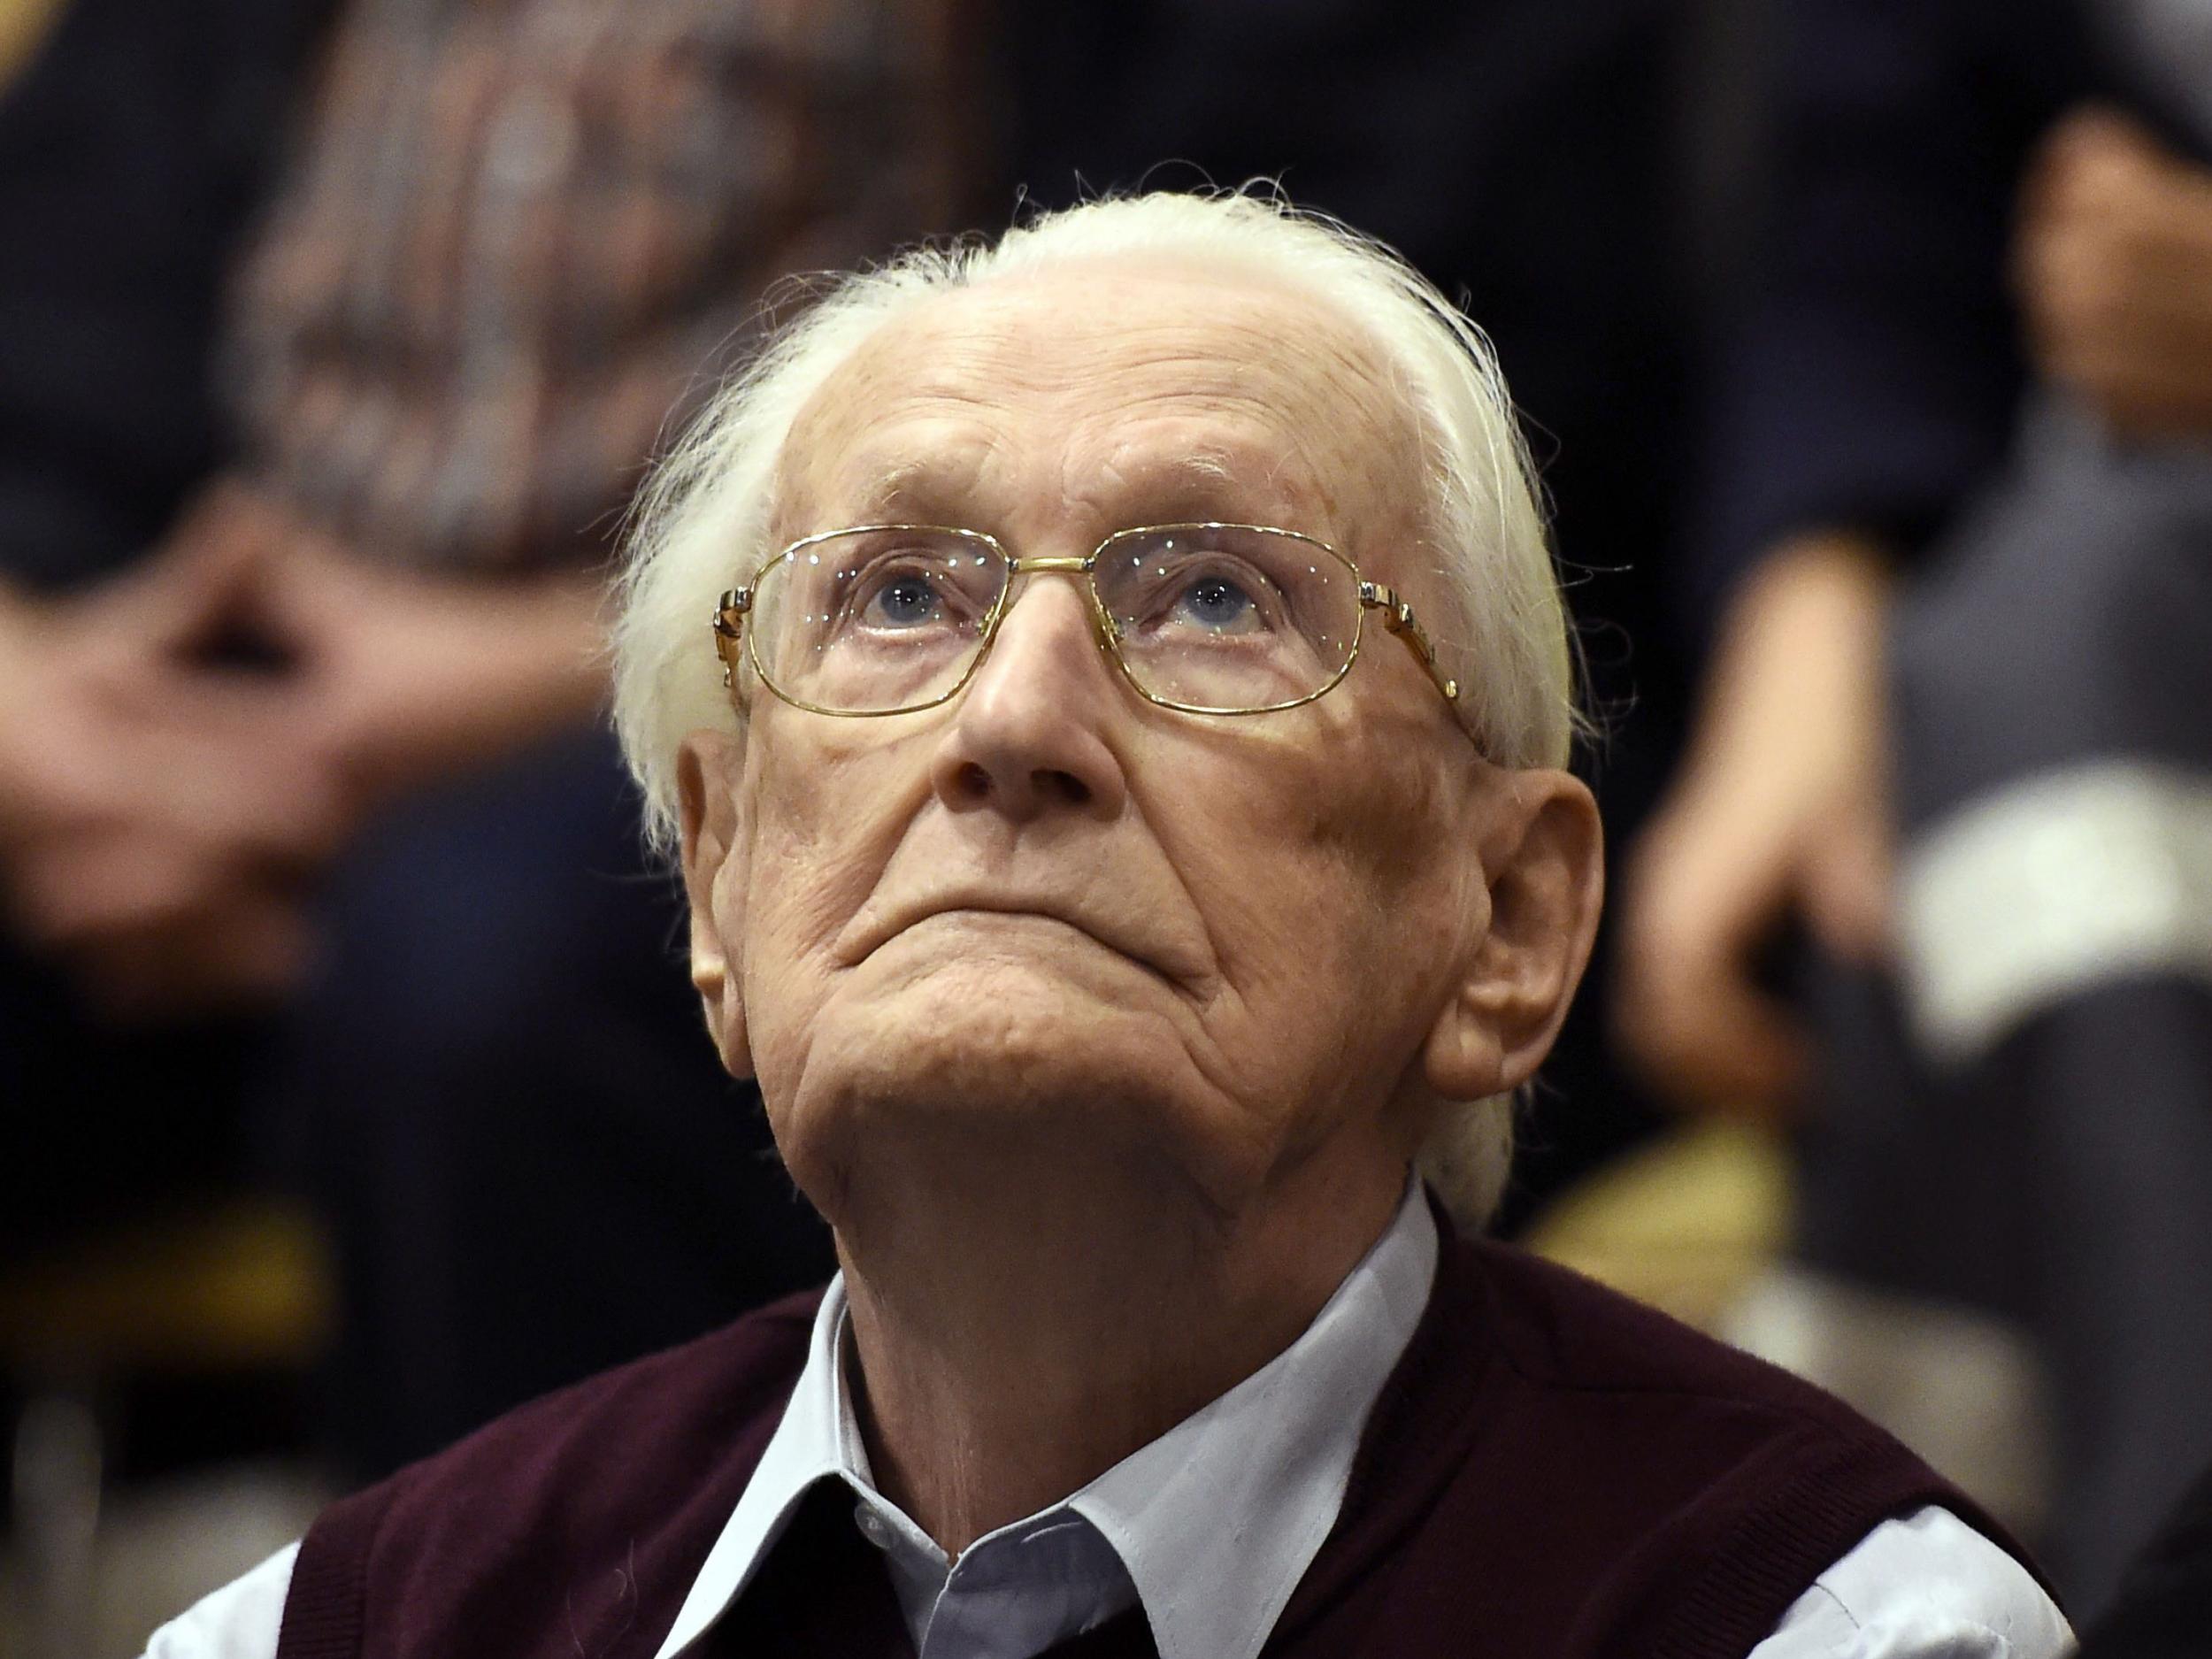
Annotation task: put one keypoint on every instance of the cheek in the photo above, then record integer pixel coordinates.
(1404, 860)
(1350, 838)
(822, 832)
(1332, 892)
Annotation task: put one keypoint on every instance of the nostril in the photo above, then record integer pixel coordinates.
(971, 782)
(1063, 787)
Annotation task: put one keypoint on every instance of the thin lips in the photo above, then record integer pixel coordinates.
(908, 915)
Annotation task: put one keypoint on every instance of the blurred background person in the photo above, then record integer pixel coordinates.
(334, 353)
(1961, 560)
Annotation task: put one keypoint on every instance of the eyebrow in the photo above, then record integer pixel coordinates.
(1214, 482)
(925, 491)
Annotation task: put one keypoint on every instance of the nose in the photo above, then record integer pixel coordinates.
(1025, 734)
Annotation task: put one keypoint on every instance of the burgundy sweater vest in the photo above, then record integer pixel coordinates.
(1552, 1472)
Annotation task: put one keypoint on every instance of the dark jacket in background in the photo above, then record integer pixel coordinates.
(134, 147)
(1873, 382)
(2164, 1607)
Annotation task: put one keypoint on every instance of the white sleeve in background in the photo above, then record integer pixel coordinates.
(240, 1621)
(1925, 1587)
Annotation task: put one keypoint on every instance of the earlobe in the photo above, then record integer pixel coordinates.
(1530, 933)
(1461, 1061)
(709, 766)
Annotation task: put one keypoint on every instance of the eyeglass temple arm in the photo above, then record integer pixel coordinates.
(730, 611)
(1399, 618)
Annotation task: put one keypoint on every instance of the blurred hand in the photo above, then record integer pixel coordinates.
(1780, 810)
(157, 817)
(403, 679)
(2113, 263)
(163, 816)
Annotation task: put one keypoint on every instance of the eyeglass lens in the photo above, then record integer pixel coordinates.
(1227, 617)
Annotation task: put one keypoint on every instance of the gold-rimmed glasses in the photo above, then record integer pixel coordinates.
(1206, 618)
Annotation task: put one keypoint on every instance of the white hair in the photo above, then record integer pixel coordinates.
(703, 520)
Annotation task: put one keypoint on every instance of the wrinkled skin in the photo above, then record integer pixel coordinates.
(1062, 1001)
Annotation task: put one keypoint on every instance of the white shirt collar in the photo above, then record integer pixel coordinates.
(1211, 1525)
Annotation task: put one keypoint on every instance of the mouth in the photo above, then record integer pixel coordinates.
(988, 908)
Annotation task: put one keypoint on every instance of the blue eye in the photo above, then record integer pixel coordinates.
(1216, 603)
(903, 602)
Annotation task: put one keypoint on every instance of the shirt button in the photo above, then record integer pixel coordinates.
(871, 1527)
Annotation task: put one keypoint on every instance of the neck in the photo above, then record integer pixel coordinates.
(1017, 1337)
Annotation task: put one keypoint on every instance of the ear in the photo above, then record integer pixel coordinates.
(1528, 929)
(710, 767)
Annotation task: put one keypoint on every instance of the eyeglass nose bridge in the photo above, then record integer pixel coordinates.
(1103, 627)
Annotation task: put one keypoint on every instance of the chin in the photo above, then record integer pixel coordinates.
(983, 1067)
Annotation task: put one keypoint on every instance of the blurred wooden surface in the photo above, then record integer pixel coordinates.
(1688, 1225)
(241, 1289)
(23, 24)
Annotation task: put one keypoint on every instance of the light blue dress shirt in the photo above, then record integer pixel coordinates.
(1210, 1527)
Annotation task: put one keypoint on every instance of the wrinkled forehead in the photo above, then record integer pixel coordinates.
(1180, 386)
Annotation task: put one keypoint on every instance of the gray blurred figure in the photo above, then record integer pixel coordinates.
(1962, 569)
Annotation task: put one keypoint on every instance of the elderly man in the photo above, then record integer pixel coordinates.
(1121, 809)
